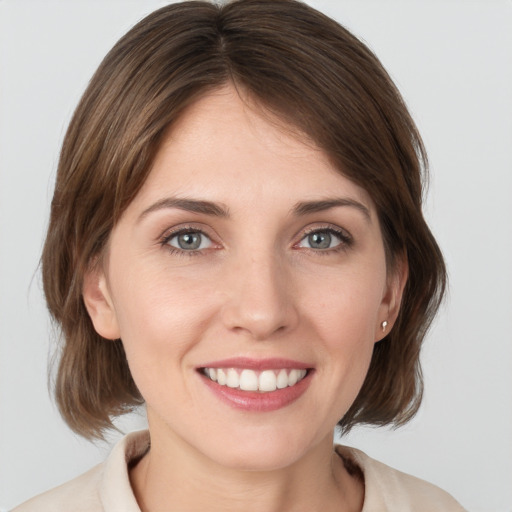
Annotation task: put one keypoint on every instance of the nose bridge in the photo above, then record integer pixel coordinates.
(260, 299)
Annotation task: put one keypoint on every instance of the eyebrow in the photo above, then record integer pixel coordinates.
(306, 207)
(219, 210)
(189, 205)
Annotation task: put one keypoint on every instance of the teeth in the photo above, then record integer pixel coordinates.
(267, 381)
(221, 377)
(293, 377)
(282, 379)
(233, 381)
(249, 380)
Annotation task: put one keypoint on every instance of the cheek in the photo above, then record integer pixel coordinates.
(348, 335)
(159, 328)
(158, 315)
(347, 305)
(345, 320)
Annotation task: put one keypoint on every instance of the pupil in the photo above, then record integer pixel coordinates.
(320, 240)
(189, 241)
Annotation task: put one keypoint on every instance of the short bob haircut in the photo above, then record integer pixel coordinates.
(300, 67)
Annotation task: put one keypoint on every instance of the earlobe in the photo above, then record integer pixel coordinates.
(99, 304)
(392, 299)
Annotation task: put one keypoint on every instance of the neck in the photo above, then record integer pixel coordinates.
(174, 476)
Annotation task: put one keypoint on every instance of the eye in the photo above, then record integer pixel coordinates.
(324, 239)
(189, 240)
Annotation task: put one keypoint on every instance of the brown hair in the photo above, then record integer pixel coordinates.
(297, 64)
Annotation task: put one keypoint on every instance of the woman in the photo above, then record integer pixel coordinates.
(236, 240)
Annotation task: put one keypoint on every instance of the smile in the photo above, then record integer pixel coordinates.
(245, 379)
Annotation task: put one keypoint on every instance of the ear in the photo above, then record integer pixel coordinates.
(99, 304)
(392, 299)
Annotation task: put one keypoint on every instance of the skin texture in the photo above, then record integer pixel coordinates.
(255, 288)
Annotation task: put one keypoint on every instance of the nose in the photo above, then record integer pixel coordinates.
(260, 299)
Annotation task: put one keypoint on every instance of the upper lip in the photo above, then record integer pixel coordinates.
(257, 364)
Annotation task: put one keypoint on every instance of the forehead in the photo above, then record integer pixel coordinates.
(226, 147)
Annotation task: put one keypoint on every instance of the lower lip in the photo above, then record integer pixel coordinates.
(259, 402)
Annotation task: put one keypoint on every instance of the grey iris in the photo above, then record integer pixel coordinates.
(189, 241)
(320, 240)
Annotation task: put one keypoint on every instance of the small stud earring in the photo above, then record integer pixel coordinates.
(384, 325)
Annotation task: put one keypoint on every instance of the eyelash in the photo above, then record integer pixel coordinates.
(346, 241)
(164, 242)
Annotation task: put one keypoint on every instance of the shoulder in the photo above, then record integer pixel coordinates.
(104, 488)
(387, 489)
(80, 495)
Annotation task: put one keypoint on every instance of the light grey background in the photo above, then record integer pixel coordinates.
(452, 61)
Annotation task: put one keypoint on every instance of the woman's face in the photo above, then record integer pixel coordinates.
(245, 261)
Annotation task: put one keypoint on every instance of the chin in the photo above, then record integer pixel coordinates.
(263, 451)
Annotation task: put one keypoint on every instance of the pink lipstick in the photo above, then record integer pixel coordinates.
(257, 384)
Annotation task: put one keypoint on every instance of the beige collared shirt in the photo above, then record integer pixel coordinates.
(106, 487)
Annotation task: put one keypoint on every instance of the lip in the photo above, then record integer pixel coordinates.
(273, 363)
(252, 400)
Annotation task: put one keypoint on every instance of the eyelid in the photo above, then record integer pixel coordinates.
(184, 228)
(346, 239)
(205, 241)
(170, 233)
